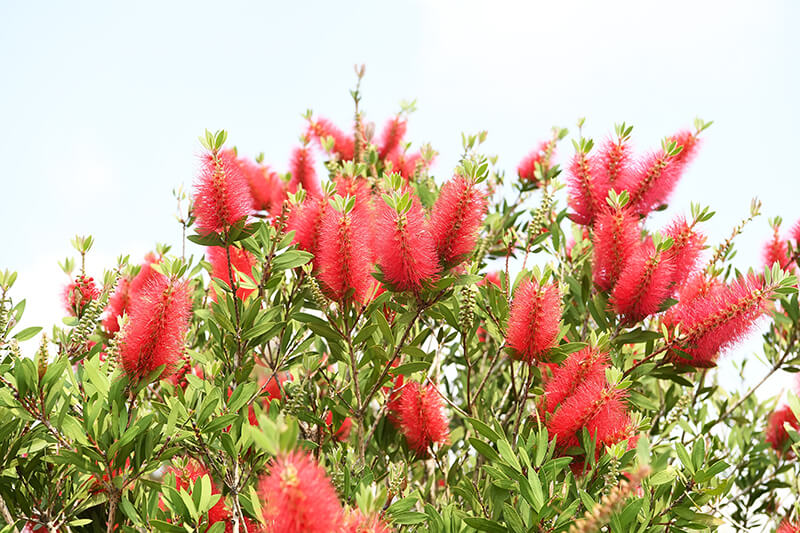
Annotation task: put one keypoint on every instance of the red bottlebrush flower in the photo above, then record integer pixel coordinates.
(392, 136)
(298, 497)
(719, 319)
(80, 293)
(616, 237)
(685, 251)
(356, 522)
(644, 284)
(796, 235)
(405, 164)
(117, 305)
(159, 319)
(595, 406)
(274, 389)
(456, 220)
(342, 432)
(306, 221)
(540, 155)
(776, 250)
(491, 277)
(393, 399)
(343, 144)
(222, 195)
(612, 166)
(787, 526)
(657, 174)
(775, 434)
(695, 287)
(266, 187)
(585, 197)
(358, 188)
(586, 364)
(303, 173)
(533, 323)
(420, 414)
(344, 255)
(146, 273)
(241, 260)
(405, 249)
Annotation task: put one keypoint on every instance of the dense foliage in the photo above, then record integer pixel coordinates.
(382, 351)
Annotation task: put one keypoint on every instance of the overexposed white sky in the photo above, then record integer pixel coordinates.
(101, 104)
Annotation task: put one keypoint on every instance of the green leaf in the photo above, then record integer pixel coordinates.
(27, 333)
(482, 524)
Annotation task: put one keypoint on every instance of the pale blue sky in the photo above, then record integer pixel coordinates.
(101, 105)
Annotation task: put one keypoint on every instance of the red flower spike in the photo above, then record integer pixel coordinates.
(533, 323)
(456, 220)
(405, 164)
(298, 497)
(405, 249)
(685, 251)
(589, 406)
(241, 260)
(491, 277)
(344, 255)
(657, 174)
(356, 522)
(419, 412)
(612, 167)
(796, 235)
(775, 434)
(80, 293)
(392, 136)
(695, 287)
(586, 198)
(644, 284)
(526, 170)
(222, 195)
(776, 250)
(303, 173)
(159, 320)
(266, 187)
(616, 237)
(719, 319)
(343, 144)
(342, 432)
(306, 221)
(586, 364)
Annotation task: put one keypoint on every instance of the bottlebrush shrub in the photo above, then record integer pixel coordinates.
(378, 350)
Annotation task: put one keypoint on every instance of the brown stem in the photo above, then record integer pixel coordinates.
(112, 511)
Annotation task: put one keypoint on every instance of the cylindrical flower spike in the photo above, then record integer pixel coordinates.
(404, 247)
(539, 156)
(305, 220)
(456, 220)
(644, 284)
(266, 188)
(392, 136)
(343, 144)
(154, 336)
(613, 164)
(685, 251)
(298, 497)
(775, 434)
(345, 254)
(616, 237)
(657, 174)
(303, 173)
(586, 198)
(584, 365)
(534, 321)
(419, 412)
(719, 319)
(406, 164)
(222, 195)
(241, 260)
(776, 250)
